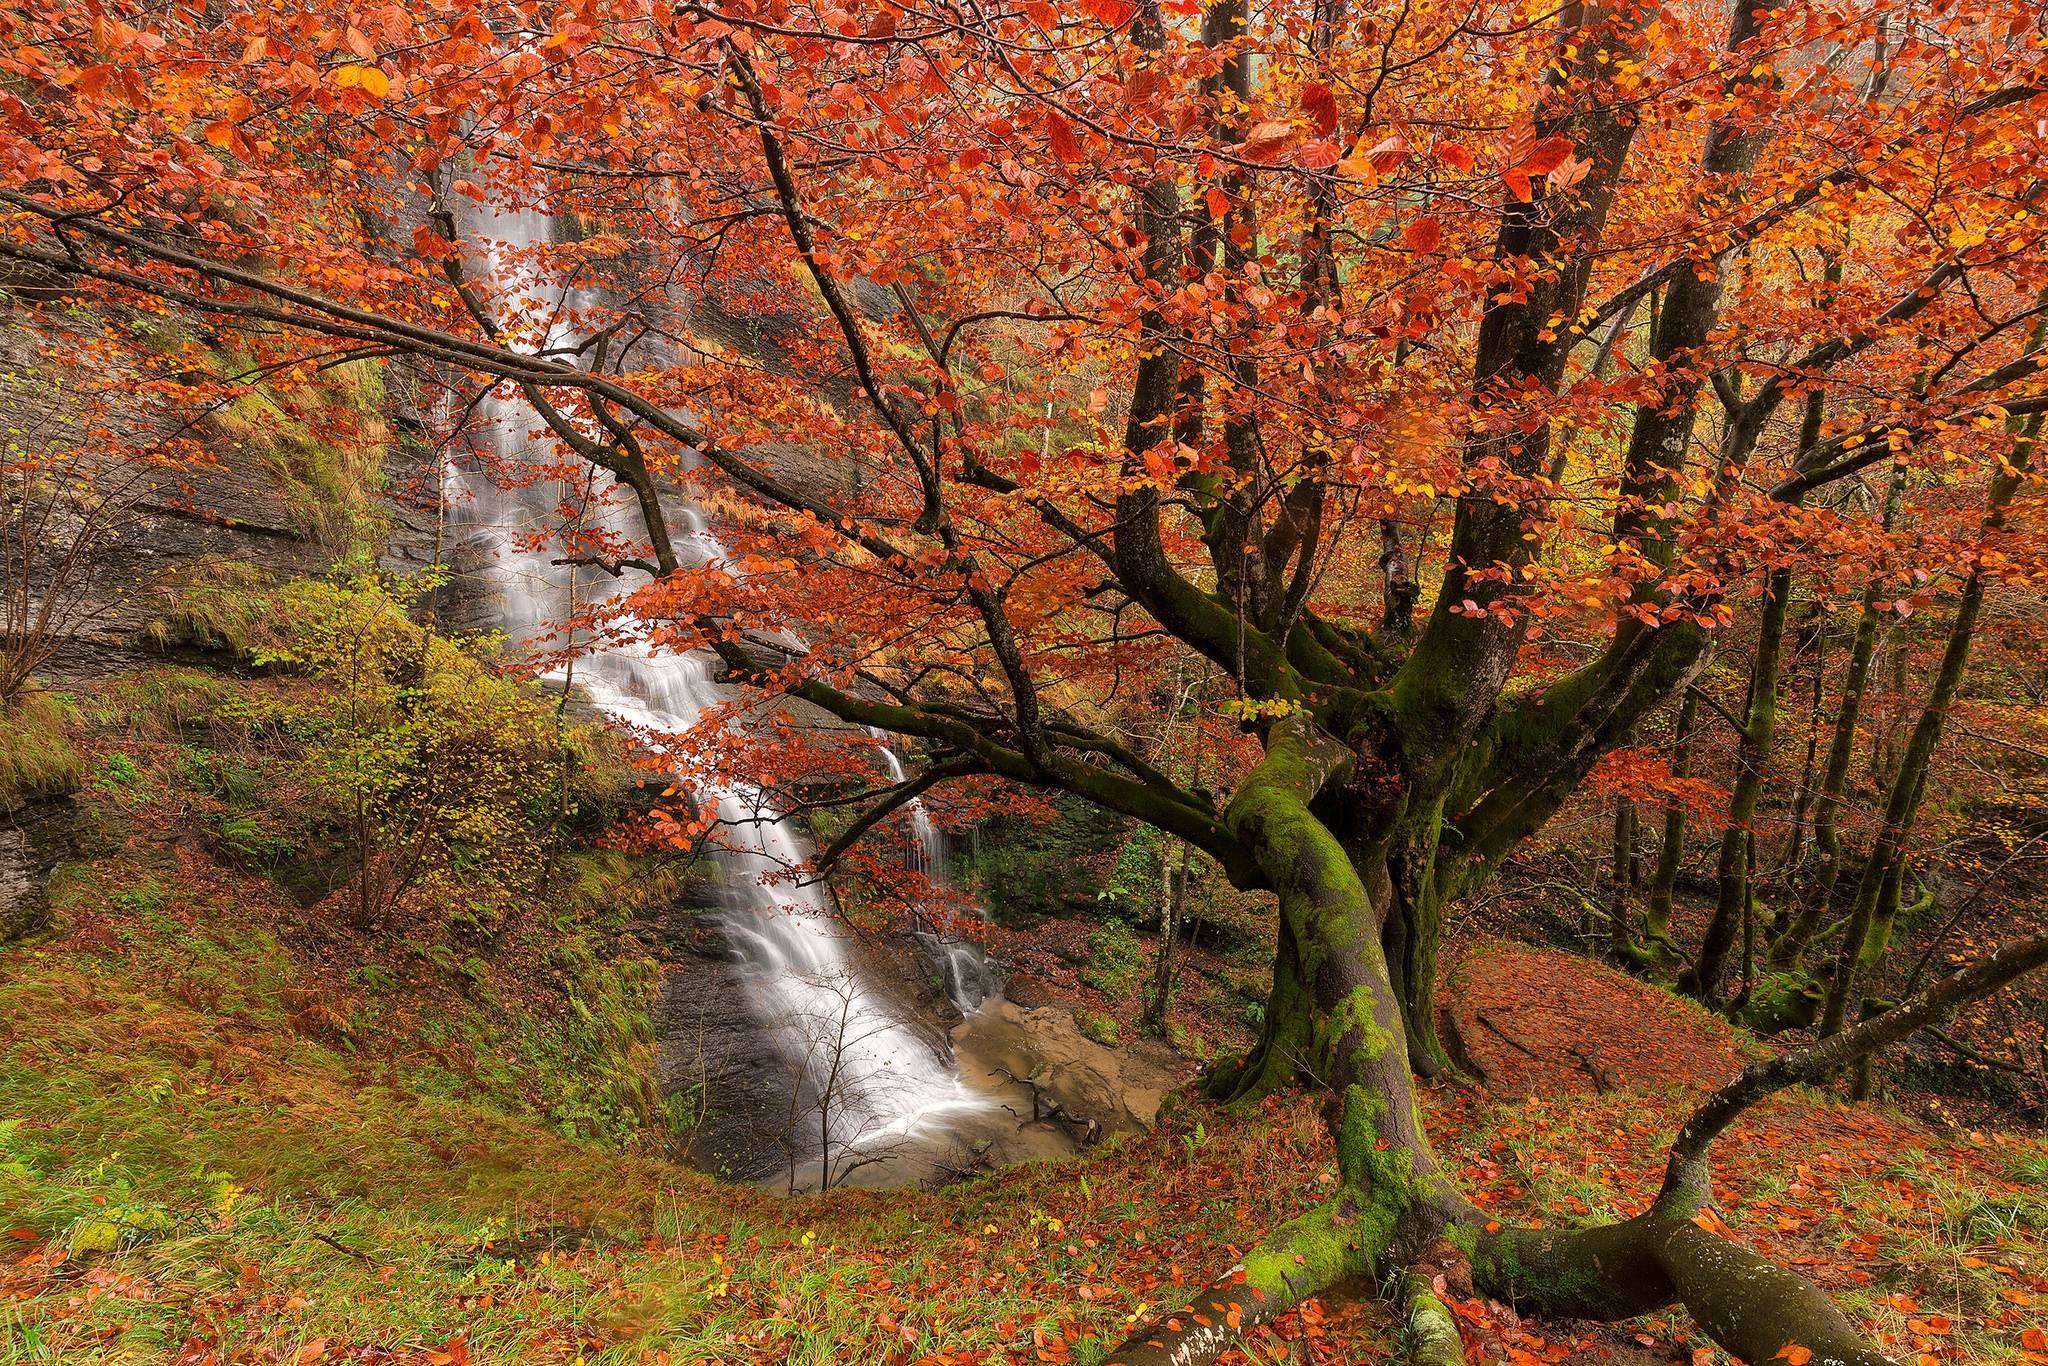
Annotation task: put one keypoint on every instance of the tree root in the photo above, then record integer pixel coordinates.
(1299, 1259)
(1746, 1303)
(1433, 1338)
(1755, 1308)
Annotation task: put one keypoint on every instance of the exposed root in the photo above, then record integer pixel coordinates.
(1755, 1308)
(1746, 1303)
(1433, 1338)
(1301, 1258)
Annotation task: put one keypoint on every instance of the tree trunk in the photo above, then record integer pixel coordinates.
(1791, 947)
(1759, 725)
(1620, 878)
(1393, 1209)
(1812, 636)
(1671, 853)
(1864, 944)
(1171, 915)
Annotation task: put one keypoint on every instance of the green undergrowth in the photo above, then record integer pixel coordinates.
(37, 758)
(224, 1178)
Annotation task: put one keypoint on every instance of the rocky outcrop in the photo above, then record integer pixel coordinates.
(1101, 1091)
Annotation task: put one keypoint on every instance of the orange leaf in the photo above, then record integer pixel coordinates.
(1060, 134)
(1268, 138)
(1547, 155)
(1422, 235)
(1795, 1354)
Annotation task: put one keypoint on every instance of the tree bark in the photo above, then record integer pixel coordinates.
(1790, 948)
(1671, 853)
(1869, 932)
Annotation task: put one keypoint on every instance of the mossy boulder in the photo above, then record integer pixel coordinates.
(1781, 1002)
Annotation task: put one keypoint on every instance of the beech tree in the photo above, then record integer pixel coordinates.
(1441, 378)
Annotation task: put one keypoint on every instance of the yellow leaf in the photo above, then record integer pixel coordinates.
(371, 80)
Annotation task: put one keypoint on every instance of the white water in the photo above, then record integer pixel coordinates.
(969, 978)
(868, 1078)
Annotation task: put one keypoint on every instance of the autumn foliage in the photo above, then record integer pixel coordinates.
(1446, 384)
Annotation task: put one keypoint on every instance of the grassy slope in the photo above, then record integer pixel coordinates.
(225, 1140)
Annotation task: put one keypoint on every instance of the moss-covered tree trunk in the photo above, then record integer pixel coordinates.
(1621, 878)
(1393, 1208)
(1869, 932)
(1671, 853)
(1391, 1198)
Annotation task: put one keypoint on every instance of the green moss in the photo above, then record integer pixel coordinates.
(37, 759)
(1098, 1027)
(1116, 956)
(323, 441)
(1330, 1243)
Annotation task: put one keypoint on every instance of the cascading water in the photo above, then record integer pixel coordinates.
(969, 977)
(867, 1090)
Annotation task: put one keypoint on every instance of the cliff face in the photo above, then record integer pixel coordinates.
(270, 485)
(116, 553)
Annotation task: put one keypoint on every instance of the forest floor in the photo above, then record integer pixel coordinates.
(231, 1133)
(202, 1183)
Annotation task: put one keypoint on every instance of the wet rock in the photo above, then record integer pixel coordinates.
(1118, 1090)
(33, 840)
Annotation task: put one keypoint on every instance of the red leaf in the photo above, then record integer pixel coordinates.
(1321, 154)
(1060, 134)
(1268, 139)
(1387, 153)
(1319, 102)
(1423, 234)
(1546, 156)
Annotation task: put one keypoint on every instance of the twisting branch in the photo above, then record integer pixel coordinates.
(1686, 1176)
(900, 796)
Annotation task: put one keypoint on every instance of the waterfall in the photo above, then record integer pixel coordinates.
(869, 1077)
(969, 977)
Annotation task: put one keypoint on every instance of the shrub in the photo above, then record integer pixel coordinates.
(443, 773)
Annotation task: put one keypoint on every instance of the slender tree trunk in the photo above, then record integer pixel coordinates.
(1671, 853)
(1864, 944)
(1172, 916)
(1813, 637)
(1620, 879)
(1791, 947)
(1759, 724)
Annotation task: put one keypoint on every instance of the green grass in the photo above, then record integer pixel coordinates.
(37, 758)
(209, 1170)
